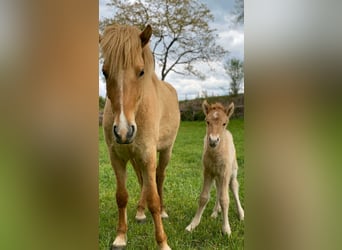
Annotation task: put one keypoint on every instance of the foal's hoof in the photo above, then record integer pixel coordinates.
(214, 215)
(227, 231)
(242, 215)
(190, 228)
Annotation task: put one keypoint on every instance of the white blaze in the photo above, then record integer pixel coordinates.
(123, 121)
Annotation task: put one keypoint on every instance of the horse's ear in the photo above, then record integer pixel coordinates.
(145, 35)
(205, 107)
(230, 110)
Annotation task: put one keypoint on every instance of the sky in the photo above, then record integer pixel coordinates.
(230, 37)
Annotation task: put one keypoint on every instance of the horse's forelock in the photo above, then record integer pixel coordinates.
(121, 45)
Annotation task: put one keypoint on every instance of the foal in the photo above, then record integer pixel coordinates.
(219, 162)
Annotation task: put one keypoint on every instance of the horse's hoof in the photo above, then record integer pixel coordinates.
(119, 242)
(164, 215)
(140, 217)
(140, 221)
(165, 247)
(118, 247)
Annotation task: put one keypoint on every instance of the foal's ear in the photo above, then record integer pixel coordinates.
(145, 35)
(230, 110)
(205, 107)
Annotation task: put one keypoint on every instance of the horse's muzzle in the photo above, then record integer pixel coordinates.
(124, 138)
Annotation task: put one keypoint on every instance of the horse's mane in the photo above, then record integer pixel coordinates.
(120, 45)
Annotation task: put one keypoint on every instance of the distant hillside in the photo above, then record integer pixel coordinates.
(191, 110)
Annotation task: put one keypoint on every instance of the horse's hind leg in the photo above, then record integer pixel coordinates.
(121, 200)
(140, 215)
(164, 158)
(234, 186)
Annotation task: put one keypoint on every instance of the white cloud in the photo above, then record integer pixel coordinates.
(104, 10)
(102, 87)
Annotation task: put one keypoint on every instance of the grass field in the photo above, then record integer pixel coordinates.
(181, 190)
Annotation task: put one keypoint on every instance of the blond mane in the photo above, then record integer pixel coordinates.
(120, 45)
(217, 106)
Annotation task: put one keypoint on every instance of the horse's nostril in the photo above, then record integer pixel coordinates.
(131, 131)
(115, 130)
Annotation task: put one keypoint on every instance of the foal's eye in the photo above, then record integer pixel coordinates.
(141, 73)
(207, 122)
(224, 124)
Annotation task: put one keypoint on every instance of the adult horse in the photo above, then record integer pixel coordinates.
(141, 118)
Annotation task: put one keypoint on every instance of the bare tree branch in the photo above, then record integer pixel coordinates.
(181, 33)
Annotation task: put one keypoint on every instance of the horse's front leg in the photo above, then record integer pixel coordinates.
(202, 202)
(222, 193)
(152, 198)
(119, 167)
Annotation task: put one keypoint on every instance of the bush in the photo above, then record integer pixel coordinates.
(199, 116)
(187, 115)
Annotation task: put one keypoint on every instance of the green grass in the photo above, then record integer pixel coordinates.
(181, 190)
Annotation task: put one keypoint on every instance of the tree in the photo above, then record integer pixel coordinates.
(181, 33)
(102, 102)
(234, 68)
(239, 12)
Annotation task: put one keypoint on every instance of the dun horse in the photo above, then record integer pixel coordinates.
(141, 118)
(220, 165)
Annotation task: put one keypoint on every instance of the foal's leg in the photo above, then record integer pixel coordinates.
(217, 207)
(222, 193)
(140, 215)
(203, 200)
(153, 200)
(121, 200)
(234, 186)
(164, 158)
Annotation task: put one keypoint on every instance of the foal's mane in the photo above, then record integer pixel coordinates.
(217, 106)
(120, 46)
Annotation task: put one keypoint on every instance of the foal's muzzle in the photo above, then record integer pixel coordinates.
(214, 141)
(124, 136)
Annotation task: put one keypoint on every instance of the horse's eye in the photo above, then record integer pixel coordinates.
(224, 124)
(207, 122)
(105, 74)
(141, 73)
